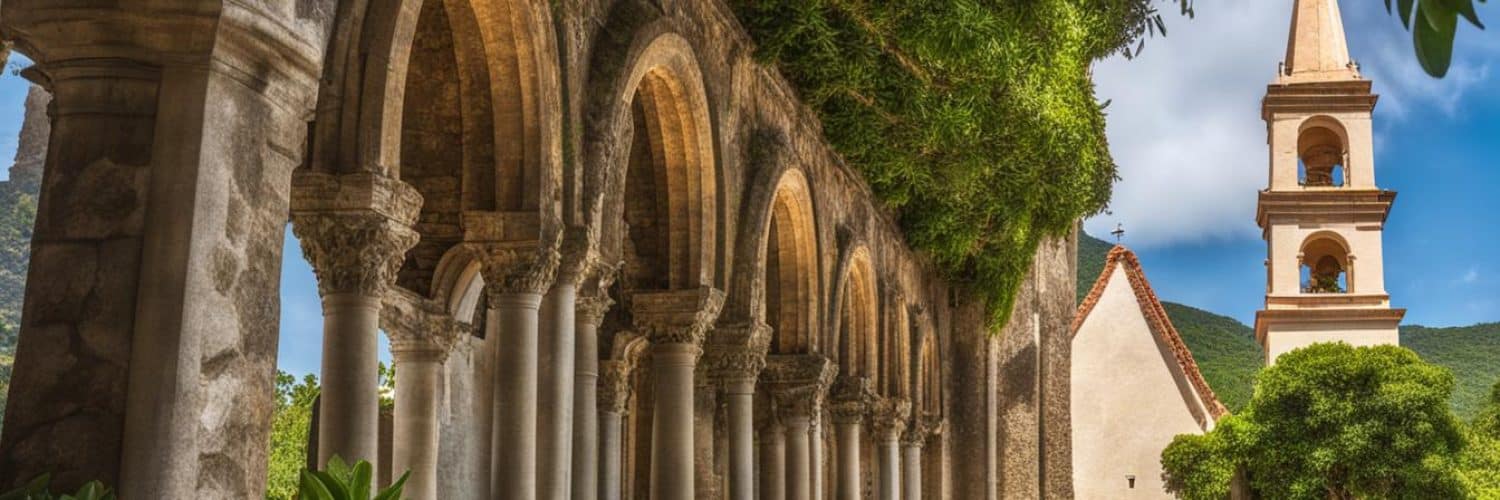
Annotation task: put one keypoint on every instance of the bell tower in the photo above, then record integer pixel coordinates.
(1322, 214)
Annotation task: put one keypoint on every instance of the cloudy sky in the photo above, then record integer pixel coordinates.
(1184, 125)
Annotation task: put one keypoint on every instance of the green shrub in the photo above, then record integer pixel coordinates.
(38, 489)
(344, 482)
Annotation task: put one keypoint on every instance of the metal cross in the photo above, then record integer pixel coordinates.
(1119, 233)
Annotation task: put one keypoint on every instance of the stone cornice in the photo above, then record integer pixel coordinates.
(1318, 97)
(1323, 204)
(678, 316)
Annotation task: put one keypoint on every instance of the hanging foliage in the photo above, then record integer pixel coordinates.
(975, 119)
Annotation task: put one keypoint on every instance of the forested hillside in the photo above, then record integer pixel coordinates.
(1229, 357)
(18, 197)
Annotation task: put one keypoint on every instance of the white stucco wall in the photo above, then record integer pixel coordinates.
(1129, 399)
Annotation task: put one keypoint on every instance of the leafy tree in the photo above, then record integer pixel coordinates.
(1433, 25)
(1480, 467)
(1333, 421)
(289, 430)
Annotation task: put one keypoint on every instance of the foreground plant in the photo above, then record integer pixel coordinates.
(344, 482)
(38, 489)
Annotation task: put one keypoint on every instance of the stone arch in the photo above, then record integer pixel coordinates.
(458, 98)
(1326, 259)
(856, 317)
(458, 284)
(660, 215)
(927, 385)
(777, 275)
(895, 346)
(1323, 152)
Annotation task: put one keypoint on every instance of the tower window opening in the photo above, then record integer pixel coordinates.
(1321, 158)
(1325, 266)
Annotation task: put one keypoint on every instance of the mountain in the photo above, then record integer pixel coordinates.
(1224, 348)
(1229, 357)
(1472, 353)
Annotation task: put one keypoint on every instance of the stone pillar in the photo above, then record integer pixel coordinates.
(772, 460)
(890, 421)
(852, 397)
(798, 457)
(911, 461)
(422, 333)
(516, 275)
(593, 303)
(735, 366)
(149, 327)
(558, 346)
(355, 230)
(676, 323)
(817, 454)
(614, 396)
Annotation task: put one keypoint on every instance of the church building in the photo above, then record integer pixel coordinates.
(1322, 214)
(1135, 386)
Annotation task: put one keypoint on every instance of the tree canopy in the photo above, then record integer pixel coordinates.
(1335, 421)
(976, 121)
(1434, 26)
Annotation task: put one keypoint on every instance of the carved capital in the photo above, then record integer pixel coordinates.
(678, 316)
(579, 256)
(353, 252)
(419, 328)
(916, 434)
(591, 309)
(515, 267)
(732, 364)
(848, 411)
(593, 292)
(614, 386)
(796, 400)
(889, 417)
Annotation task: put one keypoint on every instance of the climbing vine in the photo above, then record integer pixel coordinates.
(975, 119)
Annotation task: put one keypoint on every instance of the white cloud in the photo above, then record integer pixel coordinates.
(1470, 277)
(1185, 127)
(1184, 120)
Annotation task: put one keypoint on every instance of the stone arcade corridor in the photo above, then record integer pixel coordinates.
(614, 256)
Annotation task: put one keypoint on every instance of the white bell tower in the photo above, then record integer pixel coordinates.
(1322, 214)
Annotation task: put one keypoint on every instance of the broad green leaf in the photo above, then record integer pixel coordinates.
(311, 487)
(359, 485)
(1432, 36)
(394, 491)
(337, 487)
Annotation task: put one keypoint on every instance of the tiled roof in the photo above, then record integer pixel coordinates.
(1156, 317)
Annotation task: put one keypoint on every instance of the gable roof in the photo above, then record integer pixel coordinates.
(1156, 318)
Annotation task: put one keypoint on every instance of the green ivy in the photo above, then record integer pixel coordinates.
(975, 119)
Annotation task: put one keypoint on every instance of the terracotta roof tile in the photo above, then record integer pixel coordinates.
(1156, 317)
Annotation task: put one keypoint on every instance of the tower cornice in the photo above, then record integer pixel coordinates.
(1318, 97)
(1323, 204)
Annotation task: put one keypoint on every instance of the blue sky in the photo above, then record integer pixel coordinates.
(1185, 127)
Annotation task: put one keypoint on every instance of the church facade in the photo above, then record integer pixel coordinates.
(1135, 386)
(1322, 214)
(613, 254)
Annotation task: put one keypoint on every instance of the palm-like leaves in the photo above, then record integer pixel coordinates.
(38, 489)
(345, 482)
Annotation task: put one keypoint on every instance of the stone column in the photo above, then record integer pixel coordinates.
(851, 403)
(516, 275)
(593, 303)
(735, 366)
(421, 333)
(772, 437)
(676, 323)
(149, 323)
(558, 352)
(890, 421)
(798, 426)
(355, 245)
(911, 460)
(817, 454)
(797, 383)
(614, 396)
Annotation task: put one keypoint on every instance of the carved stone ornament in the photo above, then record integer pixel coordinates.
(678, 316)
(593, 292)
(515, 267)
(795, 400)
(889, 416)
(418, 327)
(851, 411)
(579, 256)
(735, 356)
(916, 434)
(614, 386)
(321, 193)
(353, 252)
